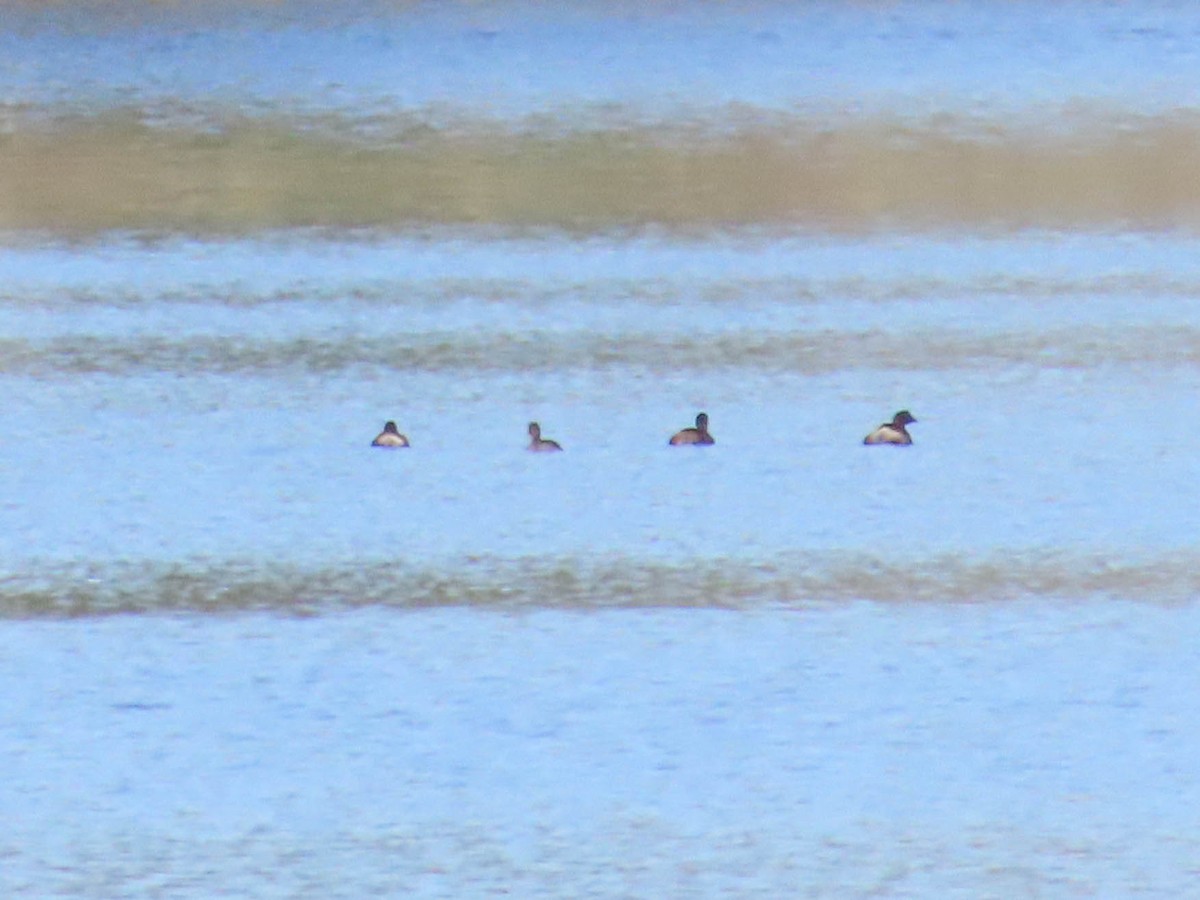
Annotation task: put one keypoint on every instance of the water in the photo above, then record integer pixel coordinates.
(999, 750)
(245, 649)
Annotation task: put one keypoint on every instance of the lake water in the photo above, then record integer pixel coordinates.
(246, 653)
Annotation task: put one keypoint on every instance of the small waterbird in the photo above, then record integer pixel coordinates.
(695, 436)
(892, 432)
(390, 437)
(539, 444)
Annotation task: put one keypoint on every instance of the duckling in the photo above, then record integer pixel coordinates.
(892, 432)
(696, 436)
(390, 437)
(539, 444)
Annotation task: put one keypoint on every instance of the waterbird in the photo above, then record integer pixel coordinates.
(696, 436)
(539, 444)
(390, 437)
(892, 432)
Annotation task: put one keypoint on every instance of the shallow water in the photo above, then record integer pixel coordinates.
(244, 648)
(235, 117)
(850, 749)
(226, 392)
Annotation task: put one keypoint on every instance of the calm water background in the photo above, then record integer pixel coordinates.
(237, 238)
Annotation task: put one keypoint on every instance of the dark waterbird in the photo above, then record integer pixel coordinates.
(697, 436)
(390, 437)
(892, 432)
(539, 444)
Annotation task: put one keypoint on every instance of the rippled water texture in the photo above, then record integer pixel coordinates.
(245, 653)
(855, 117)
(204, 407)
